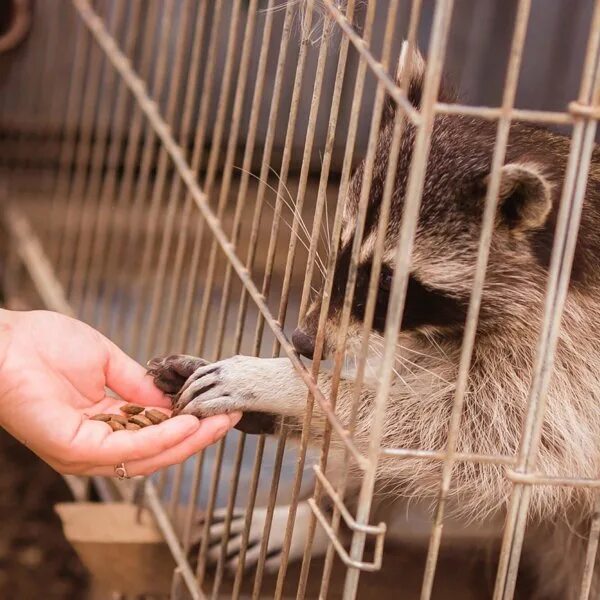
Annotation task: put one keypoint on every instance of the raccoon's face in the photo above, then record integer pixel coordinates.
(448, 230)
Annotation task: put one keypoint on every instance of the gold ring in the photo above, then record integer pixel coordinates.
(121, 471)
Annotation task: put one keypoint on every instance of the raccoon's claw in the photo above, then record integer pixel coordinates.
(171, 372)
(205, 393)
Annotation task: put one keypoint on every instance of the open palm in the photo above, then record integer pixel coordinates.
(53, 377)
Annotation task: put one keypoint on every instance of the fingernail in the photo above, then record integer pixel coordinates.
(221, 430)
(192, 423)
(234, 418)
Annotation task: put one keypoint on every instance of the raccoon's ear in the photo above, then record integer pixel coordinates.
(411, 73)
(525, 197)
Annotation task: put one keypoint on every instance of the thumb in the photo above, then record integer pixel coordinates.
(129, 379)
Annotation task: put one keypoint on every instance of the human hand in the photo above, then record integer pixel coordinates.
(53, 375)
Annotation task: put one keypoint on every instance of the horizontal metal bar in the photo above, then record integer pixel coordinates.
(516, 114)
(442, 455)
(541, 479)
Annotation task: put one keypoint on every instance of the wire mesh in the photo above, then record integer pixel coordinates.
(153, 234)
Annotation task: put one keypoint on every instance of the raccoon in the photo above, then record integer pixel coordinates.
(428, 346)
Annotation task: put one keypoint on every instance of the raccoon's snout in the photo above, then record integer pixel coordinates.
(303, 343)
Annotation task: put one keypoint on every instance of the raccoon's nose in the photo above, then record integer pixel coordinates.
(303, 343)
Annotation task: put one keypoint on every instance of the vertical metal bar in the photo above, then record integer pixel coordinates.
(216, 148)
(390, 180)
(208, 513)
(162, 173)
(565, 236)
(284, 43)
(214, 155)
(439, 36)
(56, 53)
(168, 333)
(141, 215)
(109, 205)
(33, 99)
(185, 331)
(93, 218)
(266, 284)
(67, 143)
(86, 128)
(488, 222)
(258, 456)
(265, 166)
(352, 272)
(245, 175)
(124, 237)
(66, 158)
(235, 478)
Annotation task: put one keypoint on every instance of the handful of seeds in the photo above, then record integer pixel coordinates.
(135, 417)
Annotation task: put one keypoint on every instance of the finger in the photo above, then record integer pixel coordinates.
(173, 456)
(129, 379)
(96, 444)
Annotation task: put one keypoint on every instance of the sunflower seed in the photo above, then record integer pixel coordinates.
(140, 420)
(101, 417)
(132, 409)
(156, 416)
(119, 419)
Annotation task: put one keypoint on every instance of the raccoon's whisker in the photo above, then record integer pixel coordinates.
(377, 344)
(280, 7)
(294, 209)
(379, 341)
(288, 205)
(327, 229)
(396, 373)
(291, 203)
(434, 343)
(318, 260)
(406, 361)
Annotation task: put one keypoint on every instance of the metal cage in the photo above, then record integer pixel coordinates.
(168, 171)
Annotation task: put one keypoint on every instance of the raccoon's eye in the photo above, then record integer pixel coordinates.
(386, 278)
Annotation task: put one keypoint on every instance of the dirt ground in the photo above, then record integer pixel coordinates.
(35, 559)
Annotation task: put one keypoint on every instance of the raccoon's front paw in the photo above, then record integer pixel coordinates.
(255, 537)
(171, 372)
(214, 389)
(261, 388)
